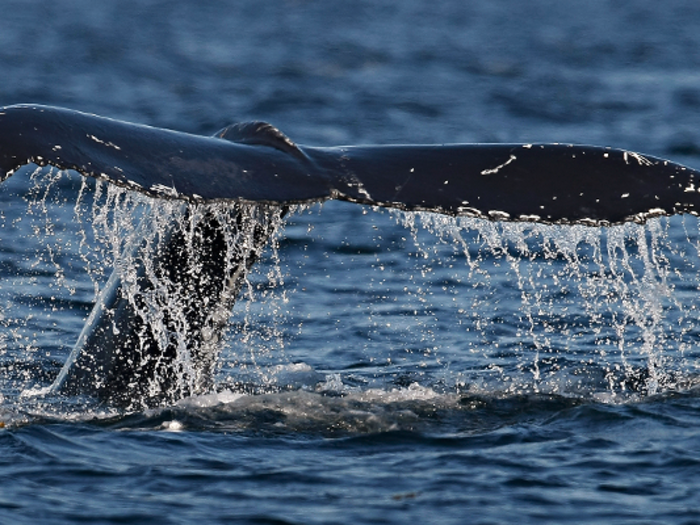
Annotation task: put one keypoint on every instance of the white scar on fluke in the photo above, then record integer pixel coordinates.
(639, 158)
(498, 168)
(108, 144)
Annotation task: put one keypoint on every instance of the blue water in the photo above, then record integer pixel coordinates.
(380, 367)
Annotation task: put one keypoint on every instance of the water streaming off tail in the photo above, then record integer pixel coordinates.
(356, 303)
(577, 308)
(179, 267)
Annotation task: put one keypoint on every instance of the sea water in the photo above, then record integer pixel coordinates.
(379, 368)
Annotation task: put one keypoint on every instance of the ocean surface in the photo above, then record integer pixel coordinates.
(380, 367)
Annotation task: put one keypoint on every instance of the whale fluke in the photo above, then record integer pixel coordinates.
(126, 356)
(255, 162)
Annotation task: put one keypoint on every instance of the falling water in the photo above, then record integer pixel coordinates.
(489, 307)
(621, 290)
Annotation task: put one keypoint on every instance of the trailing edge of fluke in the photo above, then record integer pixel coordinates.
(255, 162)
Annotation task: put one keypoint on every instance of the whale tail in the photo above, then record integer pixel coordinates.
(125, 355)
(255, 162)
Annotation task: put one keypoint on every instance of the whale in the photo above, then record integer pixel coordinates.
(255, 162)
(257, 172)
